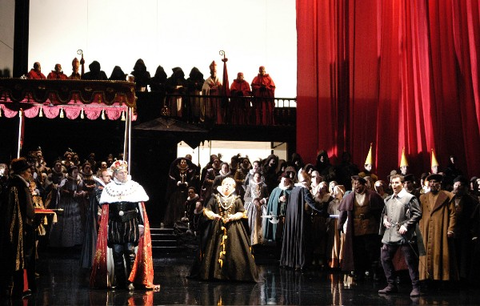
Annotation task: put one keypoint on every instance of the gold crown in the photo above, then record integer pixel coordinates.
(119, 165)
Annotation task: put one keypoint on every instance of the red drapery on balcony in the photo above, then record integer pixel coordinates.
(400, 73)
(68, 98)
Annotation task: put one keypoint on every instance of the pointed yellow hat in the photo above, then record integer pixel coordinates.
(403, 160)
(368, 160)
(434, 160)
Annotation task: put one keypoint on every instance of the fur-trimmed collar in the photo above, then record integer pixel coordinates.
(129, 191)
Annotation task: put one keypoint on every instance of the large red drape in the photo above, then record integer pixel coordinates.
(400, 73)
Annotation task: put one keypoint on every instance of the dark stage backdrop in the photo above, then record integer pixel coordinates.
(393, 73)
(151, 157)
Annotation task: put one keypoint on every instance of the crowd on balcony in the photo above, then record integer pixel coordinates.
(193, 99)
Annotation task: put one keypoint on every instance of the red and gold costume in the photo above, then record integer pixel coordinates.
(123, 213)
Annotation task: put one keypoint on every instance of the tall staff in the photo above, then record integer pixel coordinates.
(21, 129)
(225, 86)
(128, 137)
(82, 61)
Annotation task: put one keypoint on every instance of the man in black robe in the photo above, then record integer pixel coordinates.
(296, 244)
(17, 233)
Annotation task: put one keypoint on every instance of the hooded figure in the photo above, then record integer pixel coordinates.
(157, 83)
(142, 76)
(194, 88)
(324, 167)
(95, 72)
(176, 86)
(118, 74)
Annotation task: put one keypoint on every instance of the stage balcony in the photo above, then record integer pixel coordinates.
(225, 118)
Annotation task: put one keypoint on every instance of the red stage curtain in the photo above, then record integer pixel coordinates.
(400, 73)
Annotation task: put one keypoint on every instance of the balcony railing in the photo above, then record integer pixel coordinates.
(219, 110)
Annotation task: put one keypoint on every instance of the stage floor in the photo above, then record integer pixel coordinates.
(62, 282)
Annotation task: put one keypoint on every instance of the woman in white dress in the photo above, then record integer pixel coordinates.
(256, 197)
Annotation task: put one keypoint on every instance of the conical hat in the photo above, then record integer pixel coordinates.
(434, 160)
(368, 160)
(403, 160)
(213, 66)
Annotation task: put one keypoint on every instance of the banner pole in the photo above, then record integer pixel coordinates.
(20, 132)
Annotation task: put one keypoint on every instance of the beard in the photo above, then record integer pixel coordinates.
(434, 190)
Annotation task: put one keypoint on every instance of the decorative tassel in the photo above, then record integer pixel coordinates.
(123, 116)
(62, 114)
(0, 112)
(40, 113)
(82, 114)
(103, 114)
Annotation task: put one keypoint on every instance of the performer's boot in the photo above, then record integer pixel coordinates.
(130, 260)
(120, 278)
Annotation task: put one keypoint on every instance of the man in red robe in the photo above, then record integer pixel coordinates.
(36, 72)
(57, 74)
(239, 90)
(264, 92)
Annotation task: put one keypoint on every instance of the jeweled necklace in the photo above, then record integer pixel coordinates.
(226, 202)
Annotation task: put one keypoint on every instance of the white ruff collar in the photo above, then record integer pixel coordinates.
(301, 184)
(194, 197)
(130, 191)
(220, 191)
(99, 180)
(283, 187)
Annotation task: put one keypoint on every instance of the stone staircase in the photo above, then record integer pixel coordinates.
(165, 241)
(171, 242)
